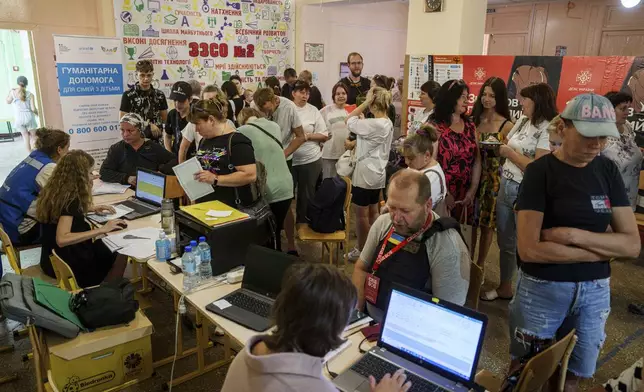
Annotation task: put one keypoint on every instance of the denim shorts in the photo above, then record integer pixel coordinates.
(545, 309)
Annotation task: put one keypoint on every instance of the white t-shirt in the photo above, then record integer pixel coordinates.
(436, 177)
(312, 122)
(41, 179)
(338, 132)
(525, 139)
(420, 117)
(190, 132)
(373, 143)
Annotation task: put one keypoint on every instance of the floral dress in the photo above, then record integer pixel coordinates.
(628, 158)
(456, 155)
(485, 204)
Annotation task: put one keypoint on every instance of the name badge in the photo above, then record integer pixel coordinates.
(412, 247)
(371, 288)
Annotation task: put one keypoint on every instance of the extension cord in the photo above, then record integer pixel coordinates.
(235, 276)
(182, 305)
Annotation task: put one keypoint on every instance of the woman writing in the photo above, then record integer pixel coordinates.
(335, 117)
(227, 158)
(372, 153)
(23, 185)
(457, 152)
(24, 111)
(61, 209)
(623, 150)
(527, 141)
(492, 119)
(310, 314)
(568, 201)
(265, 136)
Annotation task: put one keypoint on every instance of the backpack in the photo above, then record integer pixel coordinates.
(111, 303)
(325, 212)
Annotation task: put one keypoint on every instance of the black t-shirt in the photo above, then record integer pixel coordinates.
(173, 127)
(147, 103)
(214, 156)
(356, 88)
(573, 197)
(315, 98)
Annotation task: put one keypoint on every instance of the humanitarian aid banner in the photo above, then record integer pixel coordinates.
(568, 76)
(207, 40)
(90, 83)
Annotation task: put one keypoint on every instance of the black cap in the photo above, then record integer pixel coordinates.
(180, 91)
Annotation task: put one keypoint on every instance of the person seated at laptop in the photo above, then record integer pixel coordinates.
(133, 152)
(61, 210)
(21, 188)
(310, 314)
(411, 246)
(227, 157)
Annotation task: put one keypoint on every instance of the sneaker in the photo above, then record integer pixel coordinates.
(354, 254)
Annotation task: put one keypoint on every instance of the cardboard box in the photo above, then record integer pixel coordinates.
(105, 358)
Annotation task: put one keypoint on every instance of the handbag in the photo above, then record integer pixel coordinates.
(111, 303)
(348, 162)
(466, 229)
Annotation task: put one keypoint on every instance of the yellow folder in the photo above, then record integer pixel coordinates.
(200, 211)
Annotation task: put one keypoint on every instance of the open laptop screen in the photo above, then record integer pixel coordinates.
(264, 270)
(150, 186)
(432, 333)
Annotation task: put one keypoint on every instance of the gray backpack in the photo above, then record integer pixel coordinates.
(17, 303)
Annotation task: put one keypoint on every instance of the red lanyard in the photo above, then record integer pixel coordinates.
(400, 245)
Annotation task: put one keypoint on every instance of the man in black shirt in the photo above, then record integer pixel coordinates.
(181, 94)
(358, 86)
(133, 152)
(146, 101)
(566, 205)
(290, 77)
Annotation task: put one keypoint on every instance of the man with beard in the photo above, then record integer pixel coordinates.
(412, 246)
(358, 86)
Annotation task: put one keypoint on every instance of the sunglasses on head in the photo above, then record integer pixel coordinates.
(194, 107)
(457, 81)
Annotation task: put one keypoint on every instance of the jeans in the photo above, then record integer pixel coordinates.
(546, 309)
(506, 226)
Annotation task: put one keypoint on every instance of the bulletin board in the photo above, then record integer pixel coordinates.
(206, 40)
(568, 76)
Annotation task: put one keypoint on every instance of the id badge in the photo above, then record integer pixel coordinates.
(412, 247)
(371, 288)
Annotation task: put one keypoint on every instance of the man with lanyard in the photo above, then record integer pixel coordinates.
(411, 246)
(146, 101)
(358, 86)
(181, 94)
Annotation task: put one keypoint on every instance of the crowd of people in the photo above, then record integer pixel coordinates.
(559, 190)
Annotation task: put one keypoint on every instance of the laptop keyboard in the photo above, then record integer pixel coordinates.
(250, 304)
(370, 365)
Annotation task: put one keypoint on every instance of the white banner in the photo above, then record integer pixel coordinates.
(90, 83)
(207, 40)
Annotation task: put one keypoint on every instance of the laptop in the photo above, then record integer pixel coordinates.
(251, 305)
(436, 342)
(150, 188)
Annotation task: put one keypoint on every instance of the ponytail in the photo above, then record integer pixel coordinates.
(22, 93)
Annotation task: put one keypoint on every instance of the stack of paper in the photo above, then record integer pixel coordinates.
(106, 188)
(138, 243)
(121, 211)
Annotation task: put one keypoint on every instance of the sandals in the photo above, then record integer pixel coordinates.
(493, 295)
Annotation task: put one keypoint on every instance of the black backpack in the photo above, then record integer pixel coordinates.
(325, 212)
(111, 303)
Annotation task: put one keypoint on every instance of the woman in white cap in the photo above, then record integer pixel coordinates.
(567, 202)
(24, 111)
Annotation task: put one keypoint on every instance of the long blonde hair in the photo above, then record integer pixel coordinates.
(69, 181)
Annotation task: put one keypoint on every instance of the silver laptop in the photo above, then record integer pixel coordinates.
(148, 196)
(436, 342)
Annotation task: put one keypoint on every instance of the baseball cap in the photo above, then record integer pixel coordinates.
(593, 115)
(180, 91)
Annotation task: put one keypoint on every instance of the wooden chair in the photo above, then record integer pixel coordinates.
(174, 190)
(306, 234)
(14, 259)
(473, 291)
(64, 274)
(538, 370)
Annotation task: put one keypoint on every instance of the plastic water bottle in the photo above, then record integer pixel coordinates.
(162, 246)
(205, 268)
(189, 270)
(196, 253)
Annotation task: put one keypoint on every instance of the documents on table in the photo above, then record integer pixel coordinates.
(120, 209)
(214, 213)
(138, 243)
(219, 214)
(108, 188)
(186, 175)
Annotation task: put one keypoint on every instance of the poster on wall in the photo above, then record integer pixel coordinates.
(418, 74)
(568, 76)
(206, 40)
(447, 68)
(90, 80)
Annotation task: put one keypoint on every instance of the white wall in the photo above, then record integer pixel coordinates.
(377, 30)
